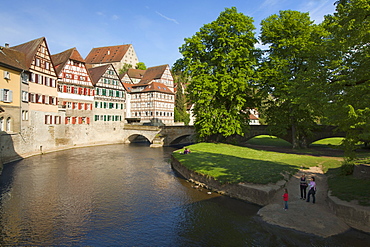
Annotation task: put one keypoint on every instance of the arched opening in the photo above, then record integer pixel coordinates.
(182, 141)
(267, 140)
(328, 142)
(138, 140)
(8, 124)
(1, 124)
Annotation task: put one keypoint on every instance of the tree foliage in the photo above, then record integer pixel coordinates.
(125, 68)
(220, 59)
(289, 72)
(348, 83)
(141, 65)
(180, 114)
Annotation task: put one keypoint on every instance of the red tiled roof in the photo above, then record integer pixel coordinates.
(60, 59)
(12, 58)
(253, 117)
(153, 73)
(97, 72)
(127, 86)
(29, 49)
(136, 73)
(154, 87)
(108, 54)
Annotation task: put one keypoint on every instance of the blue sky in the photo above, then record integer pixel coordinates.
(156, 29)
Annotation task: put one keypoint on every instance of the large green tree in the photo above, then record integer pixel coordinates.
(220, 59)
(289, 70)
(348, 83)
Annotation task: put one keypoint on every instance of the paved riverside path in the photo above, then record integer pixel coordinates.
(304, 216)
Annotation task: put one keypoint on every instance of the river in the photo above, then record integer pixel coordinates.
(128, 195)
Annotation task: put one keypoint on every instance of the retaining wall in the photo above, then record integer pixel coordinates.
(258, 194)
(355, 216)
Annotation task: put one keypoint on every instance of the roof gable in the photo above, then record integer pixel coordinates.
(153, 73)
(31, 48)
(97, 72)
(108, 54)
(60, 59)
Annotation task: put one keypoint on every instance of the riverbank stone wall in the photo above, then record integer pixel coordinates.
(257, 194)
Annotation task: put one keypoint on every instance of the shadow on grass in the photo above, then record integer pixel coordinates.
(318, 151)
(233, 169)
(348, 188)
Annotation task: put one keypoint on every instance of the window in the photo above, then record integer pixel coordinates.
(25, 115)
(8, 124)
(24, 96)
(6, 95)
(7, 75)
(24, 77)
(38, 62)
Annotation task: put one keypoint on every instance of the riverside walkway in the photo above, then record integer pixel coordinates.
(305, 216)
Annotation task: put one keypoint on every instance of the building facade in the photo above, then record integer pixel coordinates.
(153, 97)
(11, 74)
(75, 89)
(42, 82)
(110, 95)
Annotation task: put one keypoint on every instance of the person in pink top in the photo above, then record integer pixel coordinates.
(285, 198)
(311, 190)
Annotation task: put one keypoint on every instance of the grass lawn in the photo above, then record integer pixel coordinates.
(234, 164)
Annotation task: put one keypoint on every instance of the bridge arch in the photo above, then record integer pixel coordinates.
(137, 138)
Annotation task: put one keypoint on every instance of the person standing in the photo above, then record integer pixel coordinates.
(285, 198)
(311, 190)
(303, 187)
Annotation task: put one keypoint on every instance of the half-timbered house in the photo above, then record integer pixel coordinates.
(109, 99)
(42, 77)
(75, 89)
(153, 97)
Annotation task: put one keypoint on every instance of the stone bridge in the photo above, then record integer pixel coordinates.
(160, 136)
(320, 132)
(172, 135)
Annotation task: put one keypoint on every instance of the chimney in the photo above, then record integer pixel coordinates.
(6, 45)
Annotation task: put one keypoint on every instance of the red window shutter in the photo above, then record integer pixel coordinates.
(43, 99)
(64, 89)
(72, 89)
(92, 92)
(73, 105)
(50, 100)
(66, 120)
(88, 120)
(46, 119)
(73, 120)
(64, 102)
(80, 120)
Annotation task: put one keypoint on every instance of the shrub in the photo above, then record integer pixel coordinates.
(347, 168)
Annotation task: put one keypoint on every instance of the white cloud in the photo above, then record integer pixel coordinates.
(167, 18)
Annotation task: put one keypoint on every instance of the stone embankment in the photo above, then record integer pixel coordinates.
(327, 217)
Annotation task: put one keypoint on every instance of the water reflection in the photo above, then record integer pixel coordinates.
(127, 195)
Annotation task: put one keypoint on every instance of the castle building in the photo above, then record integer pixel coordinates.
(116, 55)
